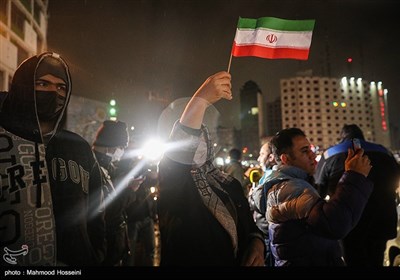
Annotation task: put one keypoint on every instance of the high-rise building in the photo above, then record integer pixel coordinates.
(273, 117)
(23, 31)
(251, 118)
(320, 106)
(227, 138)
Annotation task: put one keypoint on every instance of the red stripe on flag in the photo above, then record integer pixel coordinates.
(272, 53)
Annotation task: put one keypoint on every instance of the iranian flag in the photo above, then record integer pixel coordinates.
(273, 38)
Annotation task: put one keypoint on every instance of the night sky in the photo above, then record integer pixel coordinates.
(125, 48)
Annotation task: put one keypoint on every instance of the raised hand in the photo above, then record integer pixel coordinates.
(216, 87)
(357, 162)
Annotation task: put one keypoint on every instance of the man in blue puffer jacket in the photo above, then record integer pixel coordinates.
(305, 229)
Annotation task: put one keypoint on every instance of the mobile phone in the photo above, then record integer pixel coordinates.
(356, 144)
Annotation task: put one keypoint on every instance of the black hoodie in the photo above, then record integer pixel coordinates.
(66, 225)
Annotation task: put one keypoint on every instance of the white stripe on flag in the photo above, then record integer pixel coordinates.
(274, 39)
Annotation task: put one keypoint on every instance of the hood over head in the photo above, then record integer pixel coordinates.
(18, 114)
(52, 65)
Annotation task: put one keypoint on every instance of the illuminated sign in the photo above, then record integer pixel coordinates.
(382, 109)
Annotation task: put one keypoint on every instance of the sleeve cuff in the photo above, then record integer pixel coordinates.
(186, 140)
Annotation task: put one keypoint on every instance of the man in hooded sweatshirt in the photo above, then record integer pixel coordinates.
(51, 208)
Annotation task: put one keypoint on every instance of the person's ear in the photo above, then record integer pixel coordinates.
(284, 158)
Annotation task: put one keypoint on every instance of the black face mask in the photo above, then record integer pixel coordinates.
(49, 104)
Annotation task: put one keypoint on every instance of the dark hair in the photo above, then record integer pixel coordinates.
(350, 131)
(235, 154)
(282, 142)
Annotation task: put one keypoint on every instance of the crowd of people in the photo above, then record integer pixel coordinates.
(66, 202)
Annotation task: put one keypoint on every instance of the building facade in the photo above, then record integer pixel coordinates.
(251, 118)
(23, 33)
(320, 106)
(273, 117)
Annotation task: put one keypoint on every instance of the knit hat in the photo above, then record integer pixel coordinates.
(53, 66)
(112, 134)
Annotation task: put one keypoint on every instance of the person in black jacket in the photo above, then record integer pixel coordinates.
(109, 146)
(366, 243)
(204, 217)
(51, 210)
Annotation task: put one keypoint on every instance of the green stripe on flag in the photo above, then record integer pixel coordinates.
(276, 24)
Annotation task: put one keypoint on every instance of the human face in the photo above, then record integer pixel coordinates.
(263, 157)
(266, 157)
(301, 155)
(50, 97)
(51, 83)
(115, 153)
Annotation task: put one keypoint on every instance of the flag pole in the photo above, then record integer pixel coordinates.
(230, 59)
(229, 64)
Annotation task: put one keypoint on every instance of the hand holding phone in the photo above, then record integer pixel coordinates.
(356, 144)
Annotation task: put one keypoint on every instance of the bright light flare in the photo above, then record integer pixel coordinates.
(153, 149)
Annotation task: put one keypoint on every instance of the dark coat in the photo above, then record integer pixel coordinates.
(366, 243)
(190, 234)
(50, 204)
(379, 219)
